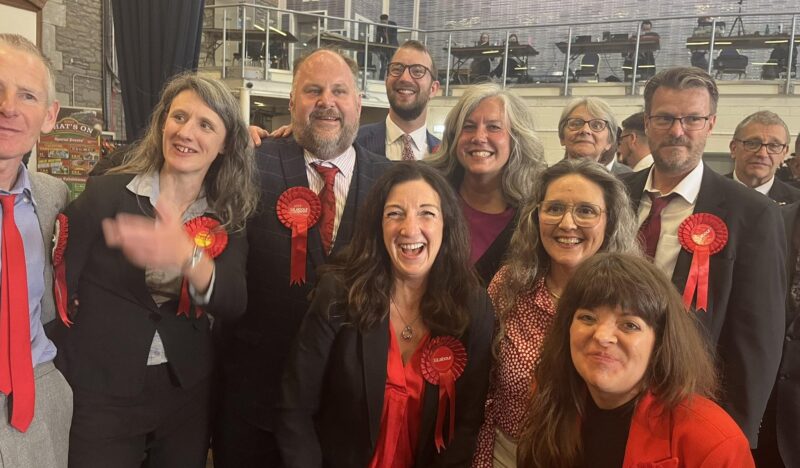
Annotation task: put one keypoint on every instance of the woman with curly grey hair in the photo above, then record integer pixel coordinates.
(578, 209)
(492, 155)
(149, 251)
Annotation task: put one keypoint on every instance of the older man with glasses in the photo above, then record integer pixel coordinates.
(737, 237)
(759, 146)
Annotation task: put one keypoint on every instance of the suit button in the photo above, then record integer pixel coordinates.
(155, 317)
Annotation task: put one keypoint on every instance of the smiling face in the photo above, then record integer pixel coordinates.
(408, 96)
(677, 151)
(567, 244)
(325, 105)
(194, 135)
(611, 351)
(583, 142)
(757, 168)
(484, 145)
(24, 111)
(412, 229)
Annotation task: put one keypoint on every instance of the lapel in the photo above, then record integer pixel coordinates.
(791, 222)
(433, 143)
(710, 199)
(46, 212)
(132, 276)
(374, 353)
(649, 442)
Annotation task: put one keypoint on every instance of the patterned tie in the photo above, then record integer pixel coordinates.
(650, 230)
(327, 197)
(16, 367)
(408, 153)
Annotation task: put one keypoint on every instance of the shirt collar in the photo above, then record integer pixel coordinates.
(643, 163)
(148, 185)
(345, 161)
(763, 188)
(393, 132)
(22, 185)
(688, 188)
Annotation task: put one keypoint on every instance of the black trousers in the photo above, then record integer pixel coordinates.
(165, 426)
(236, 443)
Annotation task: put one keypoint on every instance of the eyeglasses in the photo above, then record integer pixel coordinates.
(755, 146)
(583, 214)
(689, 122)
(595, 125)
(416, 70)
(622, 137)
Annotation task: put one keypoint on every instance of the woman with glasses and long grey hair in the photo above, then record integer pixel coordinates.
(578, 209)
(492, 156)
(588, 129)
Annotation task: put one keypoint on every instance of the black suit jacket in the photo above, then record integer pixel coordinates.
(373, 138)
(256, 347)
(747, 291)
(106, 348)
(333, 389)
(781, 192)
(787, 386)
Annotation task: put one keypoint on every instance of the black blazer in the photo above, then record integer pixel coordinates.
(373, 138)
(256, 347)
(781, 192)
(106, 348)
(787, 386)
(747, 292)
(333, 389)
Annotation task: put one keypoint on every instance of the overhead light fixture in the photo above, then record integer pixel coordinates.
(258, 27)
(277, 31)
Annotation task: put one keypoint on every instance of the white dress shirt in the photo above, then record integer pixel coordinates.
(346, 162)
(763, 188)
(643, 163)
(394, 141)
(678, 209)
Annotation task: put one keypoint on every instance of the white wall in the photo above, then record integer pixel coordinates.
(18, 21)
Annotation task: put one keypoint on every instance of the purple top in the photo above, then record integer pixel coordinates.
(484, 228)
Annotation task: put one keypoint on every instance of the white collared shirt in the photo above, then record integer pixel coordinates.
(678, 209)
(643, 163)
(394, 141)
(346, 162)
(763, 188)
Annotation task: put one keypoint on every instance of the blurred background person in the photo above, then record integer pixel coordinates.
(138, 355)
(491, 155)
(626, 379)
(481, 66)
(355, 392)
(587, 129)
(578, 209)
(633, 146)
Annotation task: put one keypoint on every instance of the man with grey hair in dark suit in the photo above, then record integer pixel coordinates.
(35, 399)
(319, 160)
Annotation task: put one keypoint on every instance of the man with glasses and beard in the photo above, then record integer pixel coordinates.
(746, 279)
(320, 157)
(410, 83)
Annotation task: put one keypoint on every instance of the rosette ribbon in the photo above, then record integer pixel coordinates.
(208, 235)
(298, 209)
(703, 235)
(59, 268)
(443, 362)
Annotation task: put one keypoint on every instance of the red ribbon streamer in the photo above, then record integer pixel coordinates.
(702, 234)
(59, 268)
(298, 208)
(443, 362)
(207, 234)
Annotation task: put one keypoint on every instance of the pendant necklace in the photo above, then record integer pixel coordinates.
(407, 332)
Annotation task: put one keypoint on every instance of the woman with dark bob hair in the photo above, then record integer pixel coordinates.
(388, 318)
(578, 209)
(626, 378)
(149, 252)
(491, 155)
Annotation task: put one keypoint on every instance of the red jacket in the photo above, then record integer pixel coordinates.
(698, 433)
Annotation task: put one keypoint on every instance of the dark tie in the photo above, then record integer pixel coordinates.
(650, 230)
(327, 198)
(408, 153)
(16, 367)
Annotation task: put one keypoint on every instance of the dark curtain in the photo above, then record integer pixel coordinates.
(156, 39)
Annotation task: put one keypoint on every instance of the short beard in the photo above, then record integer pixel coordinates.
(324, 148)
(409, 113)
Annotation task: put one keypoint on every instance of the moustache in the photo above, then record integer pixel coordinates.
(678, 141)
(326, 114)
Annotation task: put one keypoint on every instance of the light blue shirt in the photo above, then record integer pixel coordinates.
(42, 349)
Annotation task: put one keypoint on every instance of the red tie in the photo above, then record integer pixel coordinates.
(650, 230)
(327, 197)
(16, 367)
(408, 153)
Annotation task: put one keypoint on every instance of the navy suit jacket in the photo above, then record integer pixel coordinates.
(255, 348)
(747, 292)
(781, 192)
(373, 138)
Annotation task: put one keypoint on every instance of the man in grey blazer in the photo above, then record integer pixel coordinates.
(27, 108)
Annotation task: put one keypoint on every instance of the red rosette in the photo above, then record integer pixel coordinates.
(443, 362)
(298, 208)
(208, 235)
(703, 235)
(60, 235)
